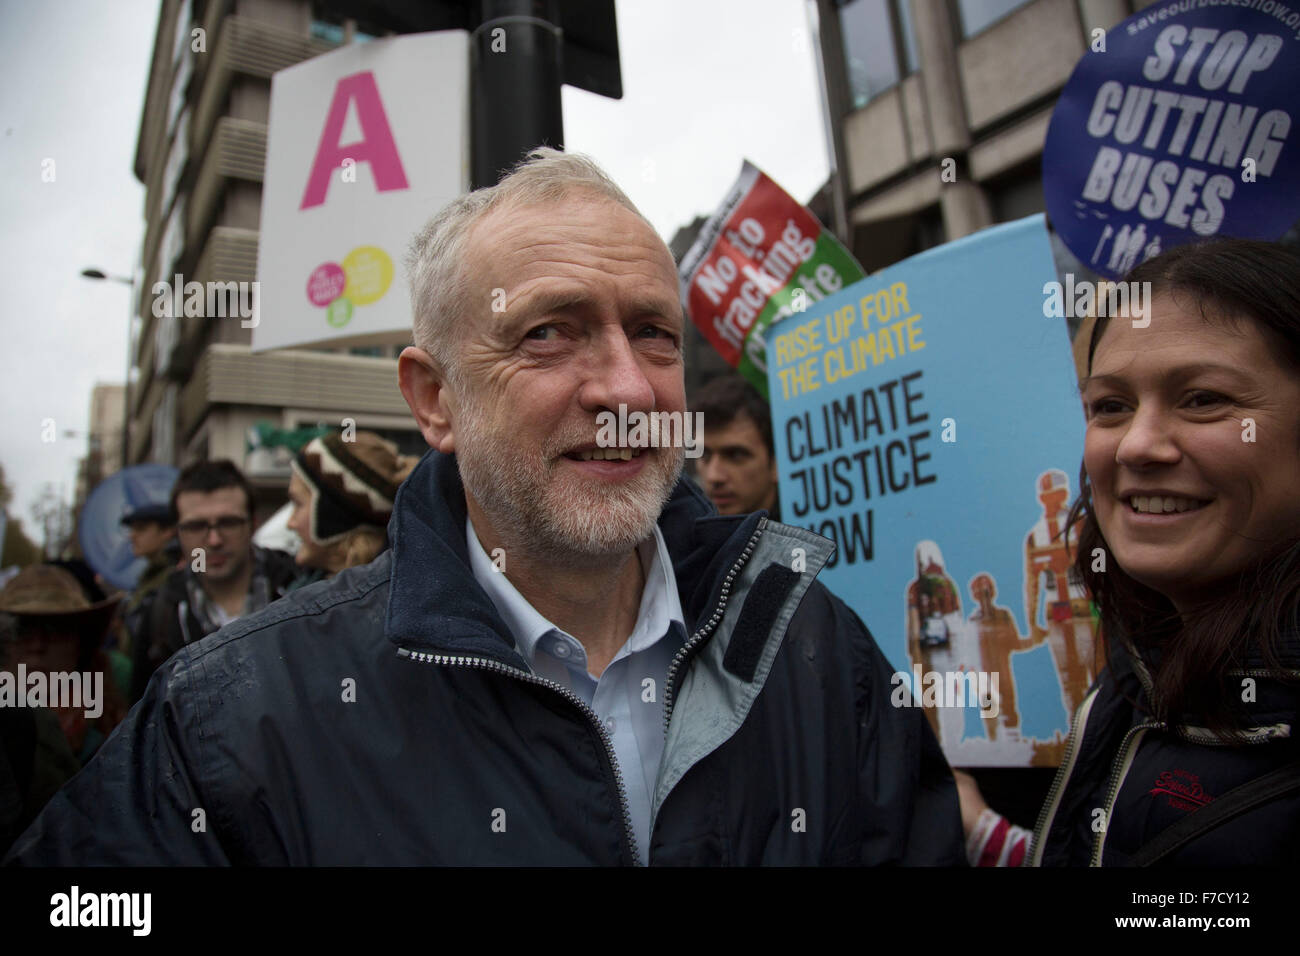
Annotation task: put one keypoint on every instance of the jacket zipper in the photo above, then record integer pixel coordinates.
(1038, 839)
(183, 610)
(704, 631)
(1265, 672)
(568, 695)
(1117, 774)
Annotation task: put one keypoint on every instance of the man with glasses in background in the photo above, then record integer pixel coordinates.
(224, 576)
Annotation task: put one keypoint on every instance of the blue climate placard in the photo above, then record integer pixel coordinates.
(927, 420)
(1177, 125)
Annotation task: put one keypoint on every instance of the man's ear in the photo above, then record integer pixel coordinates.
(425, 392)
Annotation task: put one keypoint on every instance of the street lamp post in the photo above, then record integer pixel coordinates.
(130, 348)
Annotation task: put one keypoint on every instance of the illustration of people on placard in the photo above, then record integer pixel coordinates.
(1106, 233)
(1119, 249)
(936, 634)
(1136, 242)
(1131, 247)
(1055, 593)
(994, 628)
(1152, 250)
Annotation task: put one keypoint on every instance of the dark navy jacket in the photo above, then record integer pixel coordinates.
(384, 717)
(1126, 777)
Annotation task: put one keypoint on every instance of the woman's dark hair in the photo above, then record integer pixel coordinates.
(1227, 281)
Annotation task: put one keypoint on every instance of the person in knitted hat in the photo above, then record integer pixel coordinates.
(342, 493)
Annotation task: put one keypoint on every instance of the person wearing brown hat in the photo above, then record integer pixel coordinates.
(342, 492)
(48, 626)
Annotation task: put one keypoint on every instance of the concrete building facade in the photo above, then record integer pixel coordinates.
(917, 87)
(201, 153)
(103, 440)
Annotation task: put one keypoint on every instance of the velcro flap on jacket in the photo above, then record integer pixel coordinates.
(772, 586)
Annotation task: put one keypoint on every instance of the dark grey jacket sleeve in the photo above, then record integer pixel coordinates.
(141, 800)
(916, 820)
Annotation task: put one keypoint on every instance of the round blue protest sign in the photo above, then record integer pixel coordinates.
(104, 540)
(1177, 126)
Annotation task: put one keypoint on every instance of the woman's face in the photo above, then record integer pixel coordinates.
(310, 554)
(1192, 448)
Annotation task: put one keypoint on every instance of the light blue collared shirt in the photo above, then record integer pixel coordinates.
(628, 695)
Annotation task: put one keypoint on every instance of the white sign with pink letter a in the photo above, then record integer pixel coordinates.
(364, 145)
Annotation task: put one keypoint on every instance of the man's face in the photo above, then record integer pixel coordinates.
(148, 537)
(738, 473)
(228, 547)
(592, 321)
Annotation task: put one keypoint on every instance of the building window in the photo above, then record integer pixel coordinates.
(877, 38)
(929, 229)
(329, 32)
(330, 22)
(409, 441)
(977, 15)
(903, 14)
(1018, 194)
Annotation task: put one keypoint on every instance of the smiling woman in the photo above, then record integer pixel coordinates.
(1190, 543)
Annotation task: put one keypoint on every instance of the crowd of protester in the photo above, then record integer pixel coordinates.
(202, 571)
(1182, 752)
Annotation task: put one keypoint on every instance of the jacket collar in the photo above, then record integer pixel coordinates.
(435, 605)
(1274, 697)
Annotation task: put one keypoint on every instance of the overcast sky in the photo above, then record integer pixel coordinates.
(707, 84)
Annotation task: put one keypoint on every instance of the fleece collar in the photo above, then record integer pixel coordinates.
(1276, 700)
(435, 605)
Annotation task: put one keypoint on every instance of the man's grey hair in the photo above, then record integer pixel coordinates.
(435, 261)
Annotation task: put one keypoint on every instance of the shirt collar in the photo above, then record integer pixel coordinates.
(660, 603)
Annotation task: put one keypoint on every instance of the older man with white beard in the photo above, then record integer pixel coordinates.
(566, 657)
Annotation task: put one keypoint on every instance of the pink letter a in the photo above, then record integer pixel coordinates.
(376, 148)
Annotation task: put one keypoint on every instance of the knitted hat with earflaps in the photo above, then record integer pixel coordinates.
(352, 483)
